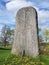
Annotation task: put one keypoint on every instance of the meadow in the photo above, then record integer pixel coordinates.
(6, 58)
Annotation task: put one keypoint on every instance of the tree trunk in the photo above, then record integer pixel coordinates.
(5, 42)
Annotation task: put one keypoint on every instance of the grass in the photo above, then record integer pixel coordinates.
(4, 52)
(45, 59)
(19, 60)
(6, 58)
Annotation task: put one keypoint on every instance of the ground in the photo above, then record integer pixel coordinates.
(6, 58)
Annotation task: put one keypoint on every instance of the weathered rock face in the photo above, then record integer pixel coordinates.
(25, 37)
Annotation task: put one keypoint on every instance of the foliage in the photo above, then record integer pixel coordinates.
(43, 35)
(19, 60)
(39, 29)
(44, 48)
(6, 34)
(46, 34)
(26, 60)
(40, 36)
(45, 59)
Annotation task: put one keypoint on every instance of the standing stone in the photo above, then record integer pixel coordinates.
(26, 37)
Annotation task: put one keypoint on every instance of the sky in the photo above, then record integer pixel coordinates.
(9, 8)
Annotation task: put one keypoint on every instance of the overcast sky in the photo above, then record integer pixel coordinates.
(9, 8)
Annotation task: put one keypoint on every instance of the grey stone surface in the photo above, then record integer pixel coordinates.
(25, 37)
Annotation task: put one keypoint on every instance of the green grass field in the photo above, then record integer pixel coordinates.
(4, 52)
(6, 58)
(45, 59)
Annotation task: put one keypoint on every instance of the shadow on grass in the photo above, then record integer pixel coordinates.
(4, 49)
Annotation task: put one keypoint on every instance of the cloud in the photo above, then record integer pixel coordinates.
(44, 4)
(14, 5)
(17, 4)
(43, 16)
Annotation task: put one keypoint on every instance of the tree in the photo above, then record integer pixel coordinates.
(40, 36)
(39, 29)
(6, 34)
(46, 34)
